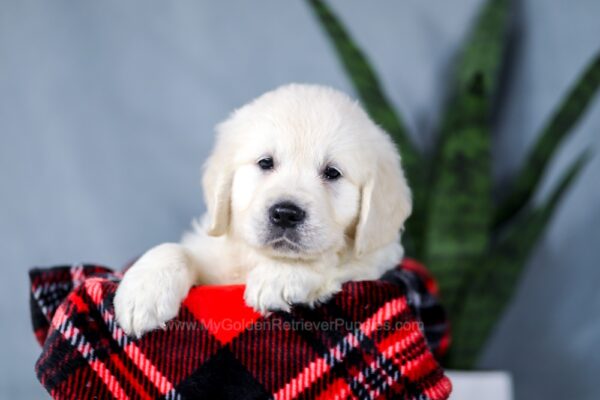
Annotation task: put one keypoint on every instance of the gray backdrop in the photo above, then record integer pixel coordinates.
(107, 109)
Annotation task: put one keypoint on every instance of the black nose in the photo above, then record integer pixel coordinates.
(286, 215)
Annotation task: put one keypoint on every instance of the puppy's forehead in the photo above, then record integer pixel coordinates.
(301, 119)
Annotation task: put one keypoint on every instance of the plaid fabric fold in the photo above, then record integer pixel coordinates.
(373, 340)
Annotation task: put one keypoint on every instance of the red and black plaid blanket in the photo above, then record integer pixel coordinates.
(374, 340)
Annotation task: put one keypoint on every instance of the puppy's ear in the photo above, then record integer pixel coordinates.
(386, 203)
(216, 184)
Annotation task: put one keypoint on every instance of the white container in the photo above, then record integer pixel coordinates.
(480, 385)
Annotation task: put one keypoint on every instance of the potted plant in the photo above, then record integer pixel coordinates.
(476, 247)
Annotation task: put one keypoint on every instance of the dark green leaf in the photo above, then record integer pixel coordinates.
(557, 129)
(365, 81)
(460, 207)
(495, 277)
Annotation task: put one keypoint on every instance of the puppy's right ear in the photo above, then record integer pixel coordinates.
(216, 184)
(386, 203)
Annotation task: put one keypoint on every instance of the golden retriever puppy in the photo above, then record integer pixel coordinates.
(304, 192)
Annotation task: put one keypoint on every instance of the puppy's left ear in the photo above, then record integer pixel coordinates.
(386, 203)
(216, 184)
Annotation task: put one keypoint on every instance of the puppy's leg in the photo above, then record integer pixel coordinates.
(273, 286)
(153, 288)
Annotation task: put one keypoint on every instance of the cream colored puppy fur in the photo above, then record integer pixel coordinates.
(351, 224)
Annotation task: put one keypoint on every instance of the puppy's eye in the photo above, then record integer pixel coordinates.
(265, 163)
(331, 173)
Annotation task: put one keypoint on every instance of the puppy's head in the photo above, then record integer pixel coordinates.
(302, 171)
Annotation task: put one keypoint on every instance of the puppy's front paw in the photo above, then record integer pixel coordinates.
(267, 295)
(150, 294)
(278, 288)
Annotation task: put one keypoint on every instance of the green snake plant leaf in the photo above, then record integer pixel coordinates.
(495, 277)
(365, 82)
(379, 107)
(571, 109)
(460, 206)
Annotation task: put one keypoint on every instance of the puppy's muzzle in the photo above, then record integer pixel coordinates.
(286, 215)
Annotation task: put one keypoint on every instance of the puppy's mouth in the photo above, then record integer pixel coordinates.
(285, 242)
